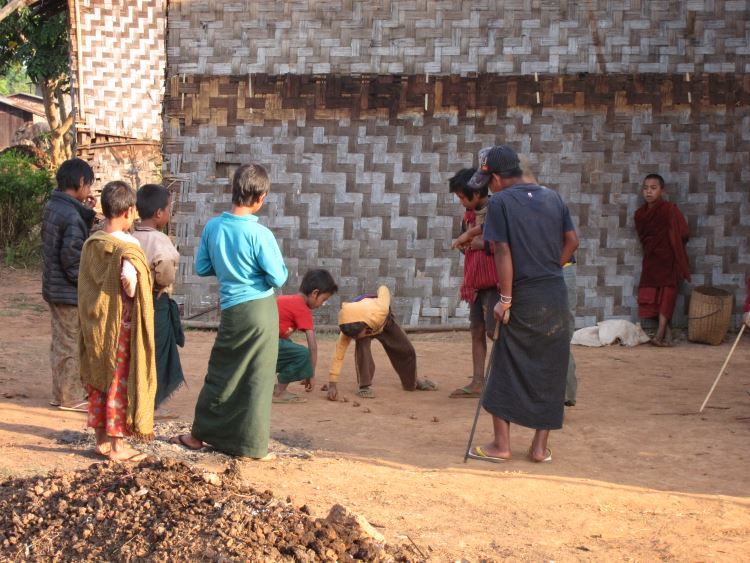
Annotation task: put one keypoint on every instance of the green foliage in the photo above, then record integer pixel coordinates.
(39, 43)
(14, 80)
(24, 189)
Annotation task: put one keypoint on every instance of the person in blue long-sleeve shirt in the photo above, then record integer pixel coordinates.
(233, 412)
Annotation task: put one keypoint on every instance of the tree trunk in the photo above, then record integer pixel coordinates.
(58, 125)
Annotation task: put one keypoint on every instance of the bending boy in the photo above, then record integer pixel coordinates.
(295, 362)
(367, 318)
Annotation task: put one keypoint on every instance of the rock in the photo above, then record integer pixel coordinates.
(343, 516)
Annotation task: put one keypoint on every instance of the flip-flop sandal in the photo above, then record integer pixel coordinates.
(80, 407)
(366, 393)
(426, 385)
(180, 441)
(465, 393)
(288, 397)
(477, 453)
(547, 457)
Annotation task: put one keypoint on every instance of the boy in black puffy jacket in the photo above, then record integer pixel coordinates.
(67, 219)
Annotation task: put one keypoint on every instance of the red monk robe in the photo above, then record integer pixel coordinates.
(663, 232)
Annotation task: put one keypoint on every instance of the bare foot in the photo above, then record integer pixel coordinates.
(103, 449)
(187, 441)
(270, 456)
(126, 453)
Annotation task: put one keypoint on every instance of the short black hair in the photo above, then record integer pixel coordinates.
(71, 172)
(353, 329)
(249, 183)
(322, 280)
(460, 184)
(656, 177)
(151, 198)
(117, 198)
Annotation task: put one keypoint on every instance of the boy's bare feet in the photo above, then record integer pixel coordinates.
(126, 453)
(187, 441)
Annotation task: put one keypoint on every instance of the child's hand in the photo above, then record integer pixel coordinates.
(477, 243)
(461, 241)
(90, 202)
(333, 393)
(309, 384)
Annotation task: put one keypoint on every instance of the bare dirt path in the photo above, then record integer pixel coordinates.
(636, 474)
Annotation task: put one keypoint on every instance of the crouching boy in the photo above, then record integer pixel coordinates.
(295, 362)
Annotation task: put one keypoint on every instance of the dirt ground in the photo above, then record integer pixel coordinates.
(637, 474)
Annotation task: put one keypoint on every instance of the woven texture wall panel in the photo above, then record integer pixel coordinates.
(236, 37)
(118, 65)
(360, 169)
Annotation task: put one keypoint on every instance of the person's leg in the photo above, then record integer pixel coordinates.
(293, 364)
(67, 389)
(571, 382)
(117, 403)
(97, 405)
(667, 301)
(539, 451)
(400, 352)
(364, 364)
(477, 327)
(500, 445)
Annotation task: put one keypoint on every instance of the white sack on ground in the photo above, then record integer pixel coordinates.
(610, 332)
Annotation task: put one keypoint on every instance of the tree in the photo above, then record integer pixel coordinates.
(39, 42)
(14, 80)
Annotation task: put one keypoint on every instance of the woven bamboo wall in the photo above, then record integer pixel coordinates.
(340, 101)
(118, 56)
(136, 162)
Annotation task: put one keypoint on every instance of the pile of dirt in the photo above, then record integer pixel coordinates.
(166, 510)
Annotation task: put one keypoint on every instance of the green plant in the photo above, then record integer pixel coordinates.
(24, 189)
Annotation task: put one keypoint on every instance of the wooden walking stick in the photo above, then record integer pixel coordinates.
(721, 371)
(506, 318)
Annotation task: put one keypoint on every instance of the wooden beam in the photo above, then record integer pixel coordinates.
(12, 6)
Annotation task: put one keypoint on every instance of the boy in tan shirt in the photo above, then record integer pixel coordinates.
(154, 204)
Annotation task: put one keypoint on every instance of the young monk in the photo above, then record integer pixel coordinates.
(116, 311)
(663, 233)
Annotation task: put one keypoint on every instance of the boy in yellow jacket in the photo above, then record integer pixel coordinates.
(366, 318)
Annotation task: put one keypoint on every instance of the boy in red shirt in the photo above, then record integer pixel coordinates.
(296, 362)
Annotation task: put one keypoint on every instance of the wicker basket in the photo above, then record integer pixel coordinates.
(709, 315)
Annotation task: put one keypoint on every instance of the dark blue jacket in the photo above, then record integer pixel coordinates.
(65, 227)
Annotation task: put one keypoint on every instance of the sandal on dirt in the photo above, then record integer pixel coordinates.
(547, 456)
(179, 440)
(426, 385)
(80, 407)
(478, 453)
(661, 343)
(366, 393)
(465, 393)
(288, 397)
